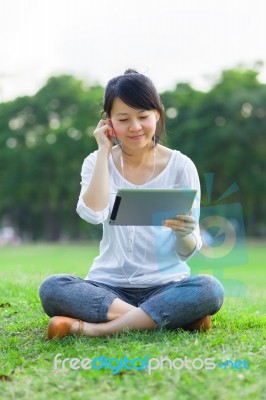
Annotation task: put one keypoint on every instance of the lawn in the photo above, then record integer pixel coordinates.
(27, 359)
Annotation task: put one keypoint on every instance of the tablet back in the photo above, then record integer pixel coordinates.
(150, 206)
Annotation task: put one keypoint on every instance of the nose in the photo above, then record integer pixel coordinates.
(135, 126)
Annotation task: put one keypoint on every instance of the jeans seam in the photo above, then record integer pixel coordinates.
(103, 309)
(152, 314)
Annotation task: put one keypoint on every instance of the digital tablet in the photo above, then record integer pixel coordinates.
(150, 206)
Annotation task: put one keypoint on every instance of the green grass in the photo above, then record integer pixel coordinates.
(27, 358)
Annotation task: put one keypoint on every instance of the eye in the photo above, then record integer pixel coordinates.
(146, 116)
(122, 120)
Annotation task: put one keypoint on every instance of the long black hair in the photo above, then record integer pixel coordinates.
(137, 91)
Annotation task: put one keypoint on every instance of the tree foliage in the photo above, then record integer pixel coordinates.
(224, 132)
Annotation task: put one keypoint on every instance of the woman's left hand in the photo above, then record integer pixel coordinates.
(182, 225)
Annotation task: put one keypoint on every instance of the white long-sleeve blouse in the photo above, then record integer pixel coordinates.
(142, 256)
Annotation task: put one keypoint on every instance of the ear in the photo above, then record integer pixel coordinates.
(157, 115)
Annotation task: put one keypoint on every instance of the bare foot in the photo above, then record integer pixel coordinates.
(135, 319)
(89, 329)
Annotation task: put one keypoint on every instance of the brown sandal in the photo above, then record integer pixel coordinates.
(60, 327)
(203, 324)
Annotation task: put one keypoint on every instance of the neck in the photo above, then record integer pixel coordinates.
(140, 162)
(139, 157)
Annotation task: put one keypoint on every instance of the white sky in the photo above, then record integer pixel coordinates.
(169, 40)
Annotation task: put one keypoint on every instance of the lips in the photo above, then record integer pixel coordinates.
(137, 137)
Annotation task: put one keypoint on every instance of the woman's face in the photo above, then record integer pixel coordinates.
(133, 127)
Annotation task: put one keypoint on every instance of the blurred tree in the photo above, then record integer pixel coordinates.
(224, 132)
(44, 139)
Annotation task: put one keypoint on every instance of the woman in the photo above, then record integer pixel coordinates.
(141, 279)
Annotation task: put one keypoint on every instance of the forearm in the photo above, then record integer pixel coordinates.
(185, 245)
(96, 195)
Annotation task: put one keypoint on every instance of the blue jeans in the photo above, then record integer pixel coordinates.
(173, 305)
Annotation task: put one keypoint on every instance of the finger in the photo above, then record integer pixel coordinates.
(181, 228)
(181, 231)
(100, 124)
(106, 129)
(185, 217)
(174, 224)
(109, 125)
(110, 132)
(178, 225)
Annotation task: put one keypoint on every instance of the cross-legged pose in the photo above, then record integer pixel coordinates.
(140, 280)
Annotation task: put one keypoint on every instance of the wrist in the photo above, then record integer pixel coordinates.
(103, 151)
(181, 236)
(185, 245)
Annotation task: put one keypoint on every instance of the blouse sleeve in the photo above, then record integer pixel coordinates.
(190, 180)
(86, 213)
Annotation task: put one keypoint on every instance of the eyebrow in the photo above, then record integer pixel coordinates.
(121, 113)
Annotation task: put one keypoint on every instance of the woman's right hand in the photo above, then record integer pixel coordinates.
(103, 135)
